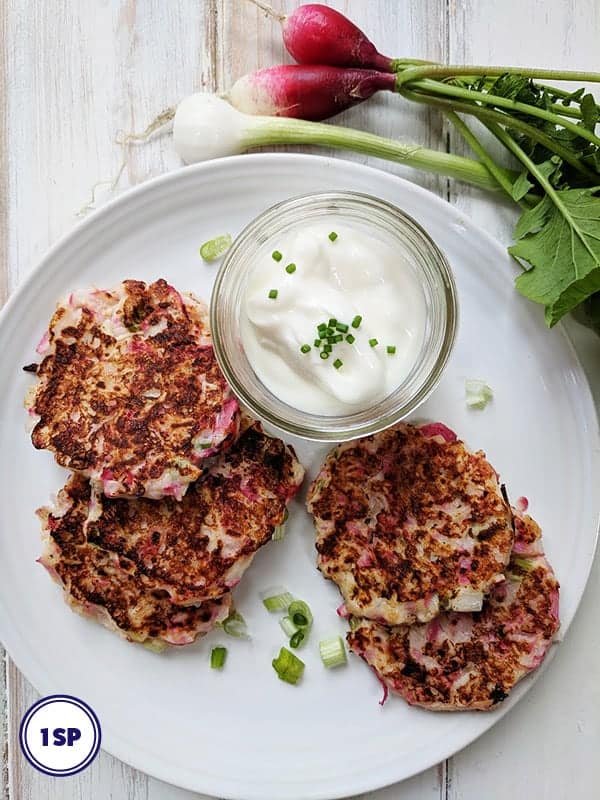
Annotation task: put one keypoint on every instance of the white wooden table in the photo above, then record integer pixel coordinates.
(73, 73)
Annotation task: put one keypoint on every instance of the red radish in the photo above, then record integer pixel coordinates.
(306, 92)
(316, 34)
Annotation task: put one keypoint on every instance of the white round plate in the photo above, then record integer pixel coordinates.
(242, 733)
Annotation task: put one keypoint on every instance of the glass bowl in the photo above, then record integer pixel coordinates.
(418, 250)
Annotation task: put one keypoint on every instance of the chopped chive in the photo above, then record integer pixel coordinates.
(391, 348)
(332, 651)
(305, 348)
(373, 342)
(276, 255)
(338, 363)
(350, 339)
(330, 339)
(330, 331)
(317, 343)
(297, 639)
(342, 327)
(338, 338)
(273, 294)
(324, 354)
(217, 657)
(327, 348)
(356, 321)
(333, 236)
(289, 668)
(290, 269)
(214, 248)
(332, 322)
(322, 328)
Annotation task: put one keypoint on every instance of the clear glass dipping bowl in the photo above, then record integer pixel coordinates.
(416, 248)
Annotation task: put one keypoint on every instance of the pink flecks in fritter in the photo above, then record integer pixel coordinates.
(383, 685)
(438, 429)
(522, 504)
(464, 568)
(342, 611)
(226, 415)
(43, 344)
(365, 559)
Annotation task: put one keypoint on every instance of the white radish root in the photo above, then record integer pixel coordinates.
(125, 140)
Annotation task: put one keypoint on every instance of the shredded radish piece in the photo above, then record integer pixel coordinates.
(434, 429)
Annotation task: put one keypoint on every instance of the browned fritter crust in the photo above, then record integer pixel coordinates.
(109, 587)
(410, 522)
(129, 392)
(198, 548)
(471, 661)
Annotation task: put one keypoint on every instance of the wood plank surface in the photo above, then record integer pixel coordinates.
(73, 73)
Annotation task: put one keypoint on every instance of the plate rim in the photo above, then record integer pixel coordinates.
(113, 743)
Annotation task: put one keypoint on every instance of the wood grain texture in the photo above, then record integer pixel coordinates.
(547, 747)
(74, 72)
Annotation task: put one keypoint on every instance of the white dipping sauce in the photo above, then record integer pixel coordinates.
(356, 275)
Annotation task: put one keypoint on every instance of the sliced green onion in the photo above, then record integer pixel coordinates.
(330, 331)
(333, 652)
(356, 321)
(333, 236)
(338, 363)
(332, 322)
(391, 349)
(317, 343)
(327, 348)
(305, 348)
(322, 329)
(338, 338)
(297, 639)
(288, 667)
(300, 614)
(287, 626)
(217, 657)
(526, 564)
(350, 339)
(273, 294)
(324, 354)
(354, 623)
(276, 255)
(214, 248)
(330, 339)
(478, 394)
(342, 327)
(279, 601)
(235, 625)
(290, 269)
(279, 532)
(373, 342)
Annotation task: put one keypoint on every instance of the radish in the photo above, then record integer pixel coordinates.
(307, 92)
(316, 34)
(206, 126)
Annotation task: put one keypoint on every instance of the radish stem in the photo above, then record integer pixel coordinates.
(438, 71)
(476, 146)
(490, 115)
(502, 102)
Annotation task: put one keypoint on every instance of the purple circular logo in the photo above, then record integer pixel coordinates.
(60, 735)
